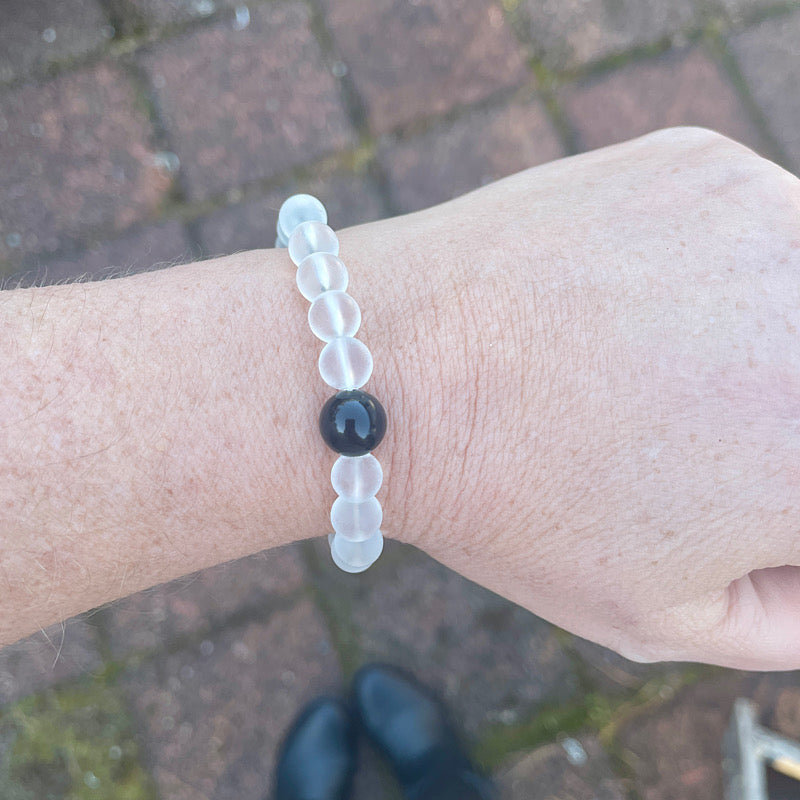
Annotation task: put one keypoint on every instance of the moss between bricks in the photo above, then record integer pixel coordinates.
(595, 713)
(73, 742)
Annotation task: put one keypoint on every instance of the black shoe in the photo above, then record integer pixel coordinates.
(317, 759)
(410, 727)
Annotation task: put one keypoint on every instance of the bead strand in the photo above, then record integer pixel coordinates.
(352, 422)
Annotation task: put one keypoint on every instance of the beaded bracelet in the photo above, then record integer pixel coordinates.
(352, 422)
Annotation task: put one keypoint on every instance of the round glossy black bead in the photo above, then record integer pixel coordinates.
(352, 422)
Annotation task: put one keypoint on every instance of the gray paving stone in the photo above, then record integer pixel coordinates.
(675, 751)
(490, 661)
(37, 33)
(136, 14)
(413, 59)
(250, 224)
(76, 155)
(740, 12)
(479, 147)
(58, 653)
(155, 617)
(211, 717)
(242, 105)
(578, 769)
(769, 58)
(139, 250)
(567, 34)
(683, 87)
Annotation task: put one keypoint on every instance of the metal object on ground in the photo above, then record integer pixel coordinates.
(748, 749)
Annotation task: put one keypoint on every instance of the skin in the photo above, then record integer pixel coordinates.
(591, 371)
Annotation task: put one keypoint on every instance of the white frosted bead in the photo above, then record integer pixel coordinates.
(321, 272)
(356, 521)
(345, 363)
(357, 478)
(296, 209)
(334, 314)
(312, 237)
(355, 556)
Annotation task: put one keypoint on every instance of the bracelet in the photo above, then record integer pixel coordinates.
(352, 422)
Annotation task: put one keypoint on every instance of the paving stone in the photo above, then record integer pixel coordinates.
(740, 11)
(769, 58)
(37, 33)
(58, 653)
(374, 778)
(212, 717)
(675, 751)
(136, 14)
(242, 105)
(478, 148)
(490, 660)
(578, 769)
(413, 59)
(145, 248)
(154, 617)
(611, 673)
(786, 715)
(250, 224)
(684, 87)
(569, 33)
(75, 156)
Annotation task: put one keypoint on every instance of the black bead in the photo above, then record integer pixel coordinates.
(352, 422)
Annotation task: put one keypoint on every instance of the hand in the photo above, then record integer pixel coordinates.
(597, 408)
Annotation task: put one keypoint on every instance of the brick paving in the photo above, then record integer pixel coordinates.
(138, 133)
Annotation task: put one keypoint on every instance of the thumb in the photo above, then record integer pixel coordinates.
(760, 629)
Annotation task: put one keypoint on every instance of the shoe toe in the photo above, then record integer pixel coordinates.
(317, 758)
(404, 720)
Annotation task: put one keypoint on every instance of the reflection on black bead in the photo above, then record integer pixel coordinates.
(352, 422)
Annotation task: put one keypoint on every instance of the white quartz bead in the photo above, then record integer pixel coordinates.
(296, 209)
(357, 478)
(321, 272)
(356, 521)
(312, 237)
(345, 363)
(355, 556)
(334, 314)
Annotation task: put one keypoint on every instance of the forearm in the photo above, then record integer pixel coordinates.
(154, 425)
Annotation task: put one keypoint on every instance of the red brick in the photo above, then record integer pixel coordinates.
(154, 617)
(580, 773)
(138, 250)
(675, 751)
(410, 60)
(490, 660)
(570, 33)
(242, 105)
(37, 33)
(250, 224)
(75, 156)
(478, 148)
(769, 58)
(681, 88)
(58, 653)
(212, 716)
